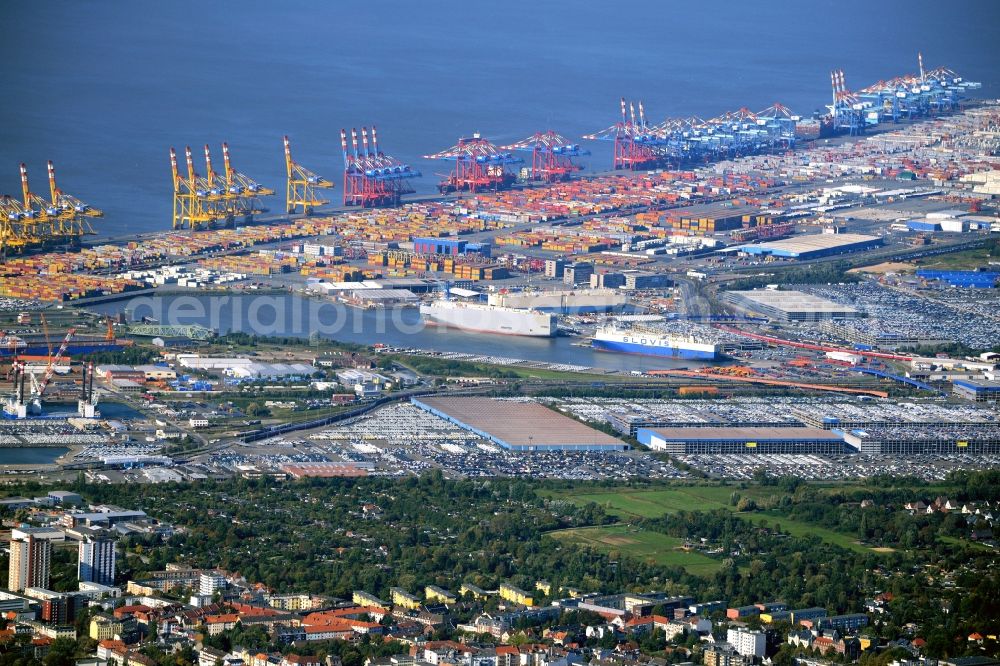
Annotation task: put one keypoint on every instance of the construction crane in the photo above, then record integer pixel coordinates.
(242, 193)
(189, 196)
(50, 370)
(17, 405)
(45, 332)
(302, 190)
(372, 177)
(551, 156)
(479, 165)
(636, 146)
(72, 211)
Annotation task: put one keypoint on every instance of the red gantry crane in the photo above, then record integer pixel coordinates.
(551, 156)
(637, 146)
(479, 165)
(371, 177)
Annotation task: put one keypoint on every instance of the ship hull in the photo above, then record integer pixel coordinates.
(678, 351)
(495, 321)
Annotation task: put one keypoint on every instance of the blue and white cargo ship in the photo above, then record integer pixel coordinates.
(641, 340)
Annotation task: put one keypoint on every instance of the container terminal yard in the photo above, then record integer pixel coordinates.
(807, 296)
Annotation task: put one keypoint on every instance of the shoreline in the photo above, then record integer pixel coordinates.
(803, 144)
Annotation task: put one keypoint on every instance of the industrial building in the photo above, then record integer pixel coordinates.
(974, 279)
(692, 417)
(452, 246)
(554, 268)
(879, 337)
(810, 247)
(271, 371)
(680, 441)
(607, 280)
(379, 298)
(519, 426)
(925, 440)
(578, 273)
(789, 305)
(363, 383)
(977, 390)
(883, 414)
(647, 280)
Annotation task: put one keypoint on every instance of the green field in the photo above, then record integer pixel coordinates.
(964, 260)
(626, 504)
(648, 546)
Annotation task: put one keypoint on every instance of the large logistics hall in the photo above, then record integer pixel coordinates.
(790, 305)
(810, 247)
(680, 441)
(924, 441)
(519, 426)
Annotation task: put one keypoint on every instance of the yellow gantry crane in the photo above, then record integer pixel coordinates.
(33, 220)
(12, 228)
(40, 222)
(303, 185)
(242, 192)
(200, 202)
(190, 196)
(72, 212)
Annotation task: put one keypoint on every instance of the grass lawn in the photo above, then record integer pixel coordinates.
(648, 546)
(959, 261)
(954, 541)
(626, 504)
(653, 503)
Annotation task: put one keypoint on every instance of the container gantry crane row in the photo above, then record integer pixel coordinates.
(303, 187)
(677, 141)
(33, 221)
(372, 177)
(636, 147)
(552, 156)
(902, 97)
(71, 209)
(190, 195)
(242, 192)
(479, 165)
(199, 202)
